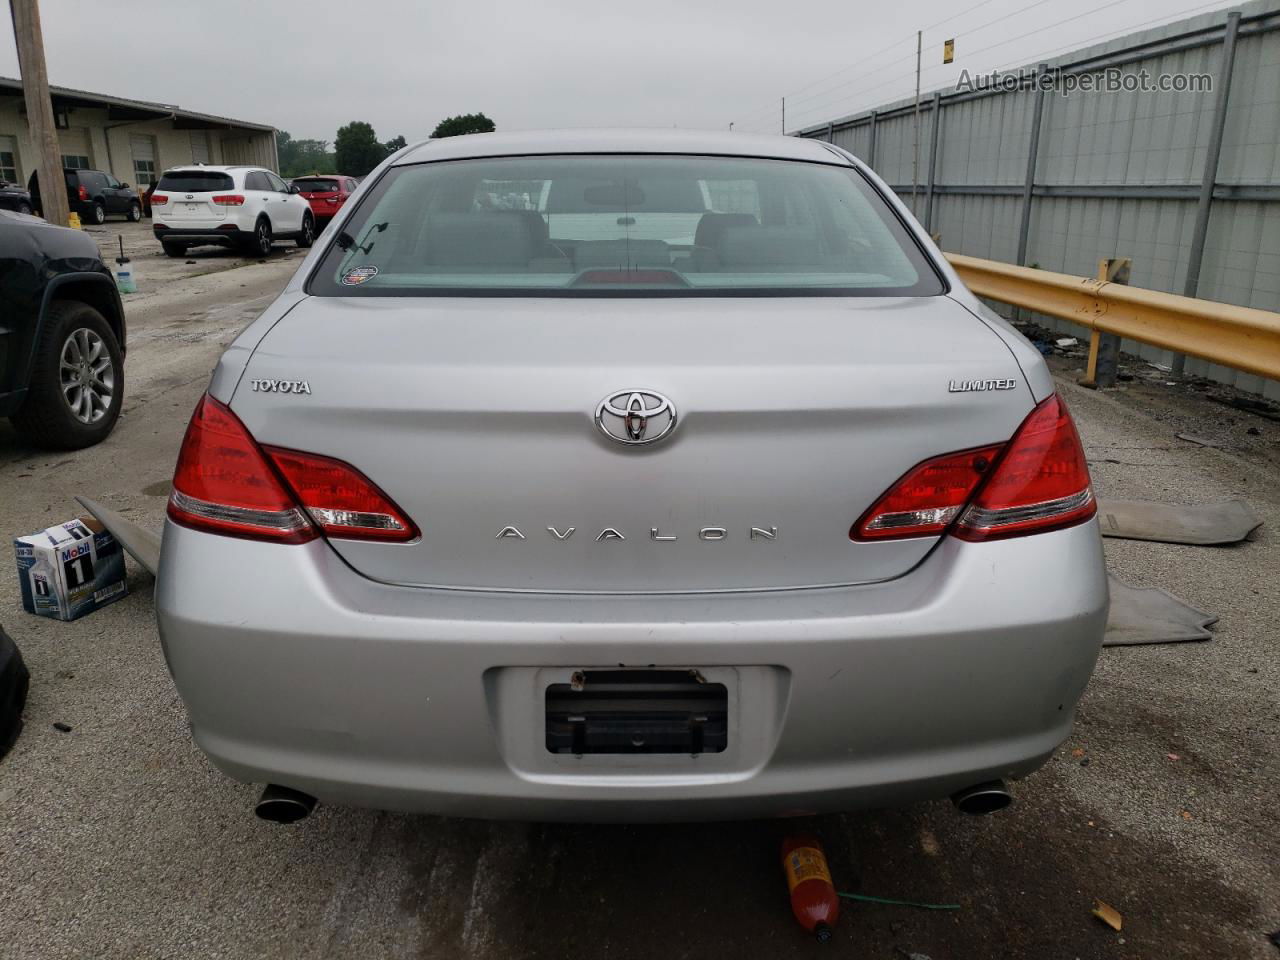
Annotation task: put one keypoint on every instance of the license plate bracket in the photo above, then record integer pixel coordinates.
(635, 712)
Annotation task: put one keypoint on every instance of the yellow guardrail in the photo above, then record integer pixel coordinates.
(1240, 337)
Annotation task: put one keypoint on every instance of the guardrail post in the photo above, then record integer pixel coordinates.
(1104, 348)
(1210, 176)
(935, 128)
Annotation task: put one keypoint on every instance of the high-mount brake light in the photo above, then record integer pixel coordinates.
(226, 483)
(1038, 481)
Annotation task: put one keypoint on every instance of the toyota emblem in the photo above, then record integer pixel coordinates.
(636, 416)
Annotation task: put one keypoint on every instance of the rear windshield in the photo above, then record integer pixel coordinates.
(317, 186)
(628, 225)
(195, 181)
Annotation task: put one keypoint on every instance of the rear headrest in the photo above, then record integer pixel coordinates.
(711, 227)
(501, 238)
(768, 247)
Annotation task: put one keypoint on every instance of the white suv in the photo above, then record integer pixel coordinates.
(245, 207)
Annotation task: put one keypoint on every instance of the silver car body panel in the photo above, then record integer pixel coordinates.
(297, 670)
(411, 676)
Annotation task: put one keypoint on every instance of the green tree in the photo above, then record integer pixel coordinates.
(396, 143)
(357, 149)
(464, 123)
(301, 157)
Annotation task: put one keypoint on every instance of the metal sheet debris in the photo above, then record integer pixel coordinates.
(1141, 615)
(143, 545)
(1203, 524)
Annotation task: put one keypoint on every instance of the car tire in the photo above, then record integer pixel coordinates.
(77, 382)
(26, 208)
(135, 212)
(174, 249)
(99, 213)
(258, 243)
(307, 235)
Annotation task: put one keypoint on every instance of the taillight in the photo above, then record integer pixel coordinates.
(226, 483)
(82, 193)
(341, 500)
(229, 200)
(1038, 481)
(1041, 482)
(928, 498)
(223, 483)
(159, 199)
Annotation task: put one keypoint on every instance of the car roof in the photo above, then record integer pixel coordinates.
(620, 141)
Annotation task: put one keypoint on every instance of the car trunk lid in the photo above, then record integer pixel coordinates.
(476, 417)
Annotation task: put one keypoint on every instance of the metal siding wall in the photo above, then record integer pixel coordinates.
(1111, 139)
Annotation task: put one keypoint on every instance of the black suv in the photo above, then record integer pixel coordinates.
(62, 340)
(94, 195)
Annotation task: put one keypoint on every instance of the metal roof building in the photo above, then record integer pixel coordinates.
(133, 140)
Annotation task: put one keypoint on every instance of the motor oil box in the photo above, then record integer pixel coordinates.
(69, 570)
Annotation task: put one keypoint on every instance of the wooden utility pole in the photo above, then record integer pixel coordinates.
(35, 89)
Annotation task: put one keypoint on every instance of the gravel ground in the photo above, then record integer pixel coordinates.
(118, 839)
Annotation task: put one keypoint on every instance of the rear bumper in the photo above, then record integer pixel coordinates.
(297, 671)
(227, 233)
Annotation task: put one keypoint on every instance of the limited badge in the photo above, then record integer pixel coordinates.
(358, 275)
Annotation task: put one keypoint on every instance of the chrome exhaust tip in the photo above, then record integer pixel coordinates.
(284, 804)
(982, 799)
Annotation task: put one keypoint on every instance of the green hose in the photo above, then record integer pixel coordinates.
(898, 903)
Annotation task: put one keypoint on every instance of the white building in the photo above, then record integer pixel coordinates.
(133, 140)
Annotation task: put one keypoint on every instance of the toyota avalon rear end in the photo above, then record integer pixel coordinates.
(629, 476)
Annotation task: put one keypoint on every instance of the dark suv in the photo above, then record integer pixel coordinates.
(62, 339)
(94, 195)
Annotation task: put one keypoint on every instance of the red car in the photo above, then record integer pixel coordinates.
(326, 194)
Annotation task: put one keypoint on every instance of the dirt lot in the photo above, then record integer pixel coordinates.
(118, 839)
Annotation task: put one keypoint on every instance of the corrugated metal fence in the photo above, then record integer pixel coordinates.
(1185, 183)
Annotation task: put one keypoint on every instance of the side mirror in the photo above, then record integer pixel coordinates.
(125, 186)
(294, 188)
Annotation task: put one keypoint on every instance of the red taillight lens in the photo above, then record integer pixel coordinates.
(82, 193)
(159, 199)
(1040, 483)
(341, 500)
(928, 498)
(229, 200)
(225, 483)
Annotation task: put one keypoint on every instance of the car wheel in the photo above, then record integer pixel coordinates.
(25, 208)
(99, 213)
(77, 383)
(259, 242)
(135, 212)
(308, 234)
(174, 249)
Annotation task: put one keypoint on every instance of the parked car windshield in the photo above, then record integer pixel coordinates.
(668, 225)
(309, 185)
(195, 181)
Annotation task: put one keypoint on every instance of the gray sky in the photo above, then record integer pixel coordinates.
(309, 67)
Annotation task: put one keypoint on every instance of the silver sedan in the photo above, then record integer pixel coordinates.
(629, 476)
